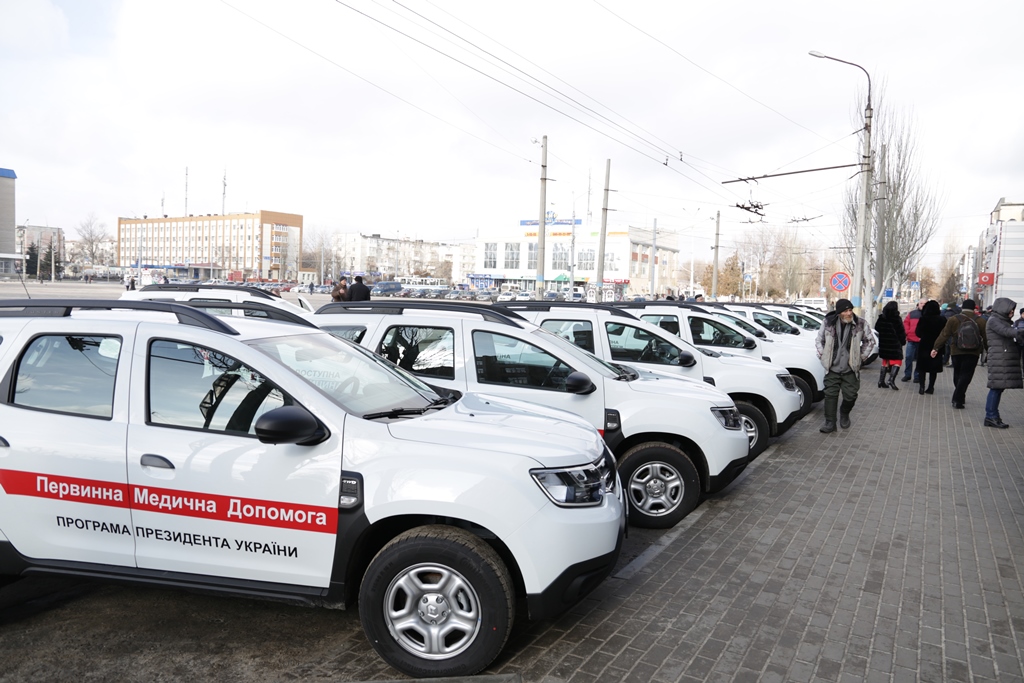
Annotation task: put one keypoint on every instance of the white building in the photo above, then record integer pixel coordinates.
(8, 251)
(389, 257)
(570, 253)
(1000, 255)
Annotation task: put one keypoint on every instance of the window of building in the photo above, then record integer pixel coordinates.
(559, 256)
(585, 259)
(511, 255)
(491, 255)
(531, 256)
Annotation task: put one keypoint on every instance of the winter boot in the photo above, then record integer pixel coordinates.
(881, 377)
(893, 371)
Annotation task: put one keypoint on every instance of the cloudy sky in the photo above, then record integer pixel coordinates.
(418, 118)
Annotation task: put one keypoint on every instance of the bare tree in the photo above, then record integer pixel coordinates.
(91, 236)
(316, 251)
(906, 208)
(948, 270)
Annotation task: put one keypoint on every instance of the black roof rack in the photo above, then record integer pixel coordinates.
(196, 288)
(702, 306)
(486, 311)
(60, 308)
(548, 305)
(272, 312)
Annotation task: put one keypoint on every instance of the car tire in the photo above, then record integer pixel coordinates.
(756, 426)
(807, 400)
(661, 483)
(437, 567)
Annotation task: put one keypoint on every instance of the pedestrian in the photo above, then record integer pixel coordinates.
(699, 298)
(1003, 358)
(340, 291)
(311, 287)
(948, 311)
(844, 343)
(910, 327)
(966, 334)
(358, 291)
(131, 284)
(929, 327)
(891, 338)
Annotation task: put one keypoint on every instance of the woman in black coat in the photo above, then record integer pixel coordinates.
(1003, 358)
(929, 327)
(891, 338)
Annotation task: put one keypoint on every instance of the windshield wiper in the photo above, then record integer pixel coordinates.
(625, 374)
(440, 402)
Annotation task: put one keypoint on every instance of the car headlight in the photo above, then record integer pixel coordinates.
(787, 381)
(729, 417)
(580, 486)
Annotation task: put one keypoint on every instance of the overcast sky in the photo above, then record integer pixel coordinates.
(313, 107)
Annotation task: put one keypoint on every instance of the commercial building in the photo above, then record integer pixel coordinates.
(389, 257)
(265, 245)
(999, 259)
(8, 253)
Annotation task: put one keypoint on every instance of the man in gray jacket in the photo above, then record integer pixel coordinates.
(844, 343)
(1003, 358)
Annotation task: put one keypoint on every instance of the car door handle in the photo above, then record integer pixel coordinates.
(150, 460)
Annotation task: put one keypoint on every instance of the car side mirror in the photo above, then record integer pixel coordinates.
(289, 424)
(760, 334)
(579, 383)
(794, 330)
(686, 359)
(749, 343)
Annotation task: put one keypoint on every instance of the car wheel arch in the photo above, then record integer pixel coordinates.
(684, 444)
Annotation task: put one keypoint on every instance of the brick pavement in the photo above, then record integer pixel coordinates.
(892, 551)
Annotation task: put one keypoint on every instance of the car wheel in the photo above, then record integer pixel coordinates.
(756, 426)
(806, 395)
(437, 601)
(661, 483)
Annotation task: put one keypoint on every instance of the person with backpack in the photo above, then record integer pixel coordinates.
(965, 333)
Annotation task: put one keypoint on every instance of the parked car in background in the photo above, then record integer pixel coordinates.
(386, 288)
(506, 296)
(524, 296)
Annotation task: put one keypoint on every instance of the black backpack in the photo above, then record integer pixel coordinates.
(968, 337)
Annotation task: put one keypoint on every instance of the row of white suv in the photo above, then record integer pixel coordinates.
(154, 443)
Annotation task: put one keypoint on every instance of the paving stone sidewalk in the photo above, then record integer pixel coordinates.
(892, 551)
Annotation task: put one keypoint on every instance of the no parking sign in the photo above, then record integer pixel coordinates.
(840, 282)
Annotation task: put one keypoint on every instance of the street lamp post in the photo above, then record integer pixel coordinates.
(864, 211)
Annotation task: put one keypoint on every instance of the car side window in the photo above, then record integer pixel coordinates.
(712, 333)
(771, 323)
(506, 360)
(68, 374)
(631, 343)
(669, 323)
(353, 333)
(426, 351)
(199, 388)
(579, 332)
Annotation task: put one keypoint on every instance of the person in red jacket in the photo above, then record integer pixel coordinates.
(910, 327)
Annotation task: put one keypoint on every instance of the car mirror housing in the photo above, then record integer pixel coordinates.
(289, 424)
(579, 383)
(686, 359)
(749, 343)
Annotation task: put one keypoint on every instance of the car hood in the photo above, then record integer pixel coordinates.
(485, 423)
(672, 385)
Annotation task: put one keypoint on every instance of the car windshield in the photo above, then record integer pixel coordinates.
(609, 370)
(355, 379)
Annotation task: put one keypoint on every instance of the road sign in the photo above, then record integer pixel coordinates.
(747, 277)
(915, 284)
(986, 279)
(887, 293)
(840, 282)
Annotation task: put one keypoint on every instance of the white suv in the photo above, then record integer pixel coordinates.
(215, 293)
(675, 439)
(717, 329)
(765, 393)
(156, 443)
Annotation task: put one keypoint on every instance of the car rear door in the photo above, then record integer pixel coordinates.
(63, 420)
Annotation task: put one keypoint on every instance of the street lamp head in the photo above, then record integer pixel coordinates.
(815, 53)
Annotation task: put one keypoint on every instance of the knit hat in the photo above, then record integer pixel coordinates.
(843, 305)
(968, 305)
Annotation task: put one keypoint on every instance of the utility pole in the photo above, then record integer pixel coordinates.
(604, 230)
(880, 245)
(186, 191)
(654, 259)
(714, 268)
(542, 223)
(224, 194)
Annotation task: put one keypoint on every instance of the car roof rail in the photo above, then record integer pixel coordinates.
(702, 307)
(504, 317)
(272, 312)
(60, 308)
(548, 305)
(195, 288)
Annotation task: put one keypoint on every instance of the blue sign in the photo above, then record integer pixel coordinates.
(747, 277)
(915, 285)
(887, 293)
